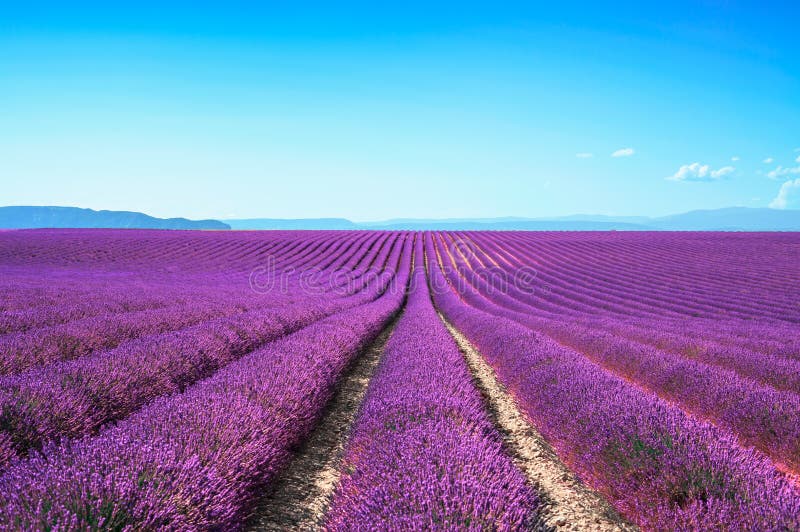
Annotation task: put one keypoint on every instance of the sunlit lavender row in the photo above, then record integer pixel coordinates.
(423, 452)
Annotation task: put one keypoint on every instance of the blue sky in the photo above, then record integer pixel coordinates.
(292, 109)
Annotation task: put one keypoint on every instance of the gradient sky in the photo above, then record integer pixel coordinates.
(292, 109)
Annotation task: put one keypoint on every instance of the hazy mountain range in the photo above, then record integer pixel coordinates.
(729, 219)
(73, 217)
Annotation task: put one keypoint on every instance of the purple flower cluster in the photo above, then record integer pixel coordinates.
(661, 468)
(79, 338)
(661, 276)
(767, 363)
(423, 452)
(82, 304)
(758, 414)
(74, 398)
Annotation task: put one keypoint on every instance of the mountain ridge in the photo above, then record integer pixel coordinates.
(54, 217)
(725, 219)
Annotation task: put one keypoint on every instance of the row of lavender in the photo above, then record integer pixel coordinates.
(655, 274)
(196, 460)
(660, 467)
(42, 289)
(754, 331)
(76, 338)
(77, 397)
(752, 394)
(733, 312)
(47, 294)
(423, 453)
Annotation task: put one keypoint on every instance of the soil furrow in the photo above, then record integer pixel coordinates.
(569, 503)
(299, 498)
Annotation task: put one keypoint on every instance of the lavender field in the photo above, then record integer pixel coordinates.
(364, 380)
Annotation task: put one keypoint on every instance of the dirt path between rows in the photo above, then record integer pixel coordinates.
(299, 498)
(569, 503)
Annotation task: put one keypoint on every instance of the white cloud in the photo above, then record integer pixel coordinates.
(769, 160)
(735, 158)
(722, 172)
(798, 159)
(700, 172)
(623, 152)
(780, 172)
(788, 195)
(584, 155)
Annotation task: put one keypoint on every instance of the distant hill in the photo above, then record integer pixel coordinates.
(489, 224)
(292, 224)
(433, 224)
(729, 219)
(73, 217)
(638, 220)
(412, 224)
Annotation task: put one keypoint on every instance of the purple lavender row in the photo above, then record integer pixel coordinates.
(328, 253)
(735, 272)
(760, 415)
(561, 295)
(771, 369)
(621, 272)
(771, 337)
(110, 302)
(61, 301)
(354, 257)
(562, 264)
(768, 366)
(21, 351)
(98, 296)
(644, 279)
(197, 460)
(775, 331)
(660, 468)
(79, 338)
(698, 263)
(22, 288)
(570, 288)
(154, 253)
(764, 367)
(69, 258)
(70, 399)
(423, 452)
(572, 295)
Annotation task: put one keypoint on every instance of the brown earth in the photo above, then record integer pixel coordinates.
(299, 498)
(568, 503)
